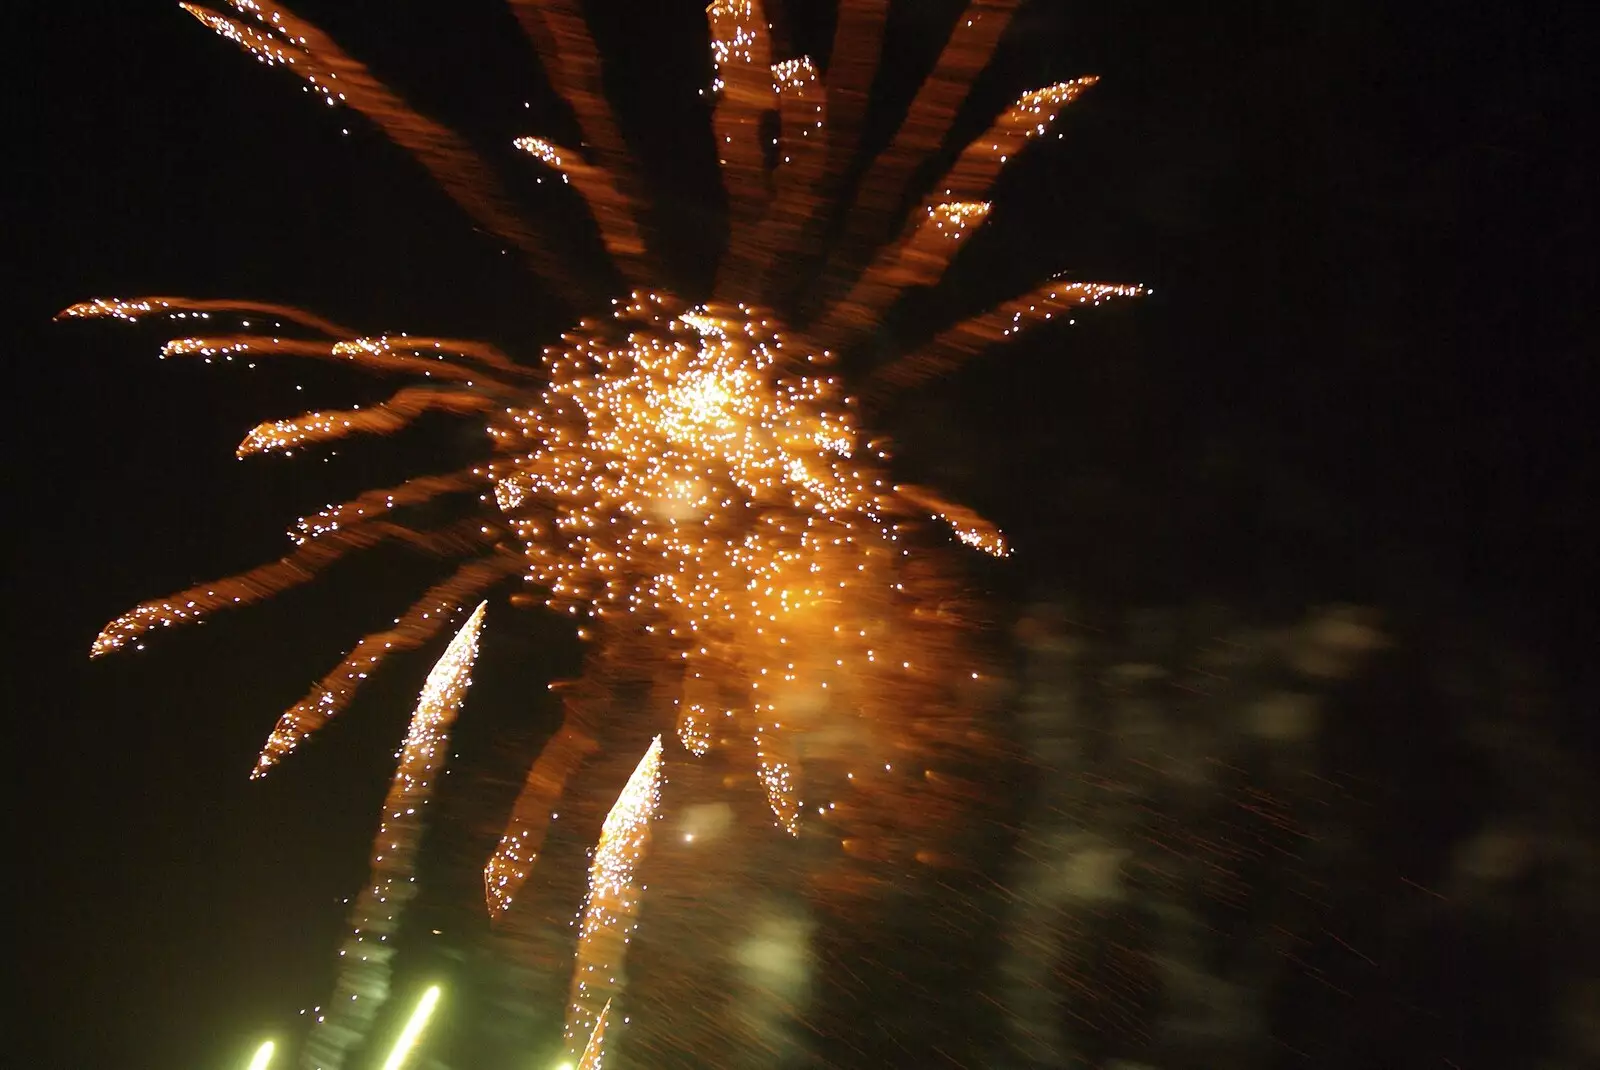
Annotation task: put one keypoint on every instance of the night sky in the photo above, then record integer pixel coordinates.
(1361, 377)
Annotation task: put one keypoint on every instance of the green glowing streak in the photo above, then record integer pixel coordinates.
(413, 1029)
(263, 1055)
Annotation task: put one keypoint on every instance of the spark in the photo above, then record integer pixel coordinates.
(263, 1056)
(694, 729)
(413, 1031)
(594, 1051)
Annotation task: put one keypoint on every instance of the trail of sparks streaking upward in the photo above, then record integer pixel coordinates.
(610, 911)
(364, 968)
(406, 1042)
(263, 1056)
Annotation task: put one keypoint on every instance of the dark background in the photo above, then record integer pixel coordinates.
(1362, 376)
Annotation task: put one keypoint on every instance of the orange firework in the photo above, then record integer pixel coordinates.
(684, 477)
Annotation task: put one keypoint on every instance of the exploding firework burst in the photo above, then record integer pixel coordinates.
(684, 477)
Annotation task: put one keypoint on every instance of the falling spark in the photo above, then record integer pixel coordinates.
(388, 416)
(288, 41)
(514, 858)
(967, 526)
(188, 307)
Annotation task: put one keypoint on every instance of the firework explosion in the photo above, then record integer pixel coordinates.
(684, 478)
